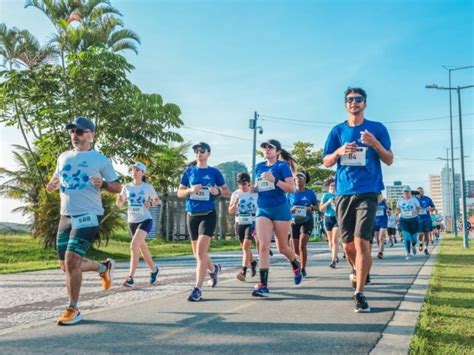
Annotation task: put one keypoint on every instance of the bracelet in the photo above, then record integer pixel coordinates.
(104, 185)
(276, 181)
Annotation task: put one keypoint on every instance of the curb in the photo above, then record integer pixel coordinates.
(396, 337)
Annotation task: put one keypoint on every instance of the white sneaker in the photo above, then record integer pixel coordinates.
(408, 257)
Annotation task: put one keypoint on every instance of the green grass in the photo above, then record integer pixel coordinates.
(446, 321)
(20, 252)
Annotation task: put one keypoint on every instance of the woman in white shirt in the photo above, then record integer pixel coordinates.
(409, 207)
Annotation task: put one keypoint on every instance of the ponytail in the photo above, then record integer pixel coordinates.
(193, 163)
(287, 157)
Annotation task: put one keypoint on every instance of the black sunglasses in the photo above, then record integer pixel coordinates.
(356, 99)
(79, 132)
(268, 146)
(200, 150)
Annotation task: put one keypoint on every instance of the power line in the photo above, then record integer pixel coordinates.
(216, 133)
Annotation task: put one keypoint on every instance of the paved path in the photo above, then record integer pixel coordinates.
(315, 317)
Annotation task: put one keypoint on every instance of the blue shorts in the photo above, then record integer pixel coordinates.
(425, 226)
(278, 213)
(378, 227)
(330, 222)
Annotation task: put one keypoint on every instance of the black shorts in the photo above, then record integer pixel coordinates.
(330, 222)
(144, 226)
(391, 231)
(244, 231)
(410, 225)
(356, 215)
(305, 228)
(201, 224)
(425, 226)
(77, 241)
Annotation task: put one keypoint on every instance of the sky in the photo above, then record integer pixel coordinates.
(291, 62)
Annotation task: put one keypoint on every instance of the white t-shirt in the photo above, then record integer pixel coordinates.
(247, 203)
(408, 208)
(136, 196)
(392, 221)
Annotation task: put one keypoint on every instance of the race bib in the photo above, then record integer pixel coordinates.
(245, 219)
(407, 213)
(355, 159)
(201, 195)
(264, 185)
(423, 211)
(84, 221)
(300, 211)
(136, 210)
(379, 212)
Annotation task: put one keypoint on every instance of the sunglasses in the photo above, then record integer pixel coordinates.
(242, 182)
(79, 132)
(356, 99)
(200, 150)
(267, 146)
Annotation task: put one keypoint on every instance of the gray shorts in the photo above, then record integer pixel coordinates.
(356, 216)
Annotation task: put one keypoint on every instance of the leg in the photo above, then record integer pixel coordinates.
(203, 261)
(264, 237)
(363, 262)
(136, 243)
(281, 230)
(74, 276)
(304, 238)
(350, 250)
(407, 241)
(147, 256)
(246, 247)
(335, 243)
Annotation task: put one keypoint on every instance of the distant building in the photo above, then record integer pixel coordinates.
(470, 188)
(395, 191)
(447, 191)
(435, 192)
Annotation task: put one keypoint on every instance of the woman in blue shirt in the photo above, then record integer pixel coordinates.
(381, 223)
(302, 203)
(330, 222)
(200, 185)
(274, 178)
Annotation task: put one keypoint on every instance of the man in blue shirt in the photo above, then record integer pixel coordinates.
(357, 146)
(427, 206)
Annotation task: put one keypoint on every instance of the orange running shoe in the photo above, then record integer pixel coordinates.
(70, 316)
(107, 277)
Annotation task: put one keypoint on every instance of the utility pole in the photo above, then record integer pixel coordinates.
(253, 125)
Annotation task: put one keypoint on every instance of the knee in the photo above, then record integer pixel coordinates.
(201, 255)
(135, 247)
(72, 262)
(62, 265)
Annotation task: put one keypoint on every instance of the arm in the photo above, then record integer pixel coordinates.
(113, 186)
(385, 155)
(184, 191)
(234, 201)
(332, 158)
(288, 185)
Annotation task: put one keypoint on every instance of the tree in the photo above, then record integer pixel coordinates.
(311, 160)
(230, 170)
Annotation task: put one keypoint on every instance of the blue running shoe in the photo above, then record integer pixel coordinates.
(129, 282)
(261, 290)
(298, 276)
(214, 276)
(153, 276)
(195, 295)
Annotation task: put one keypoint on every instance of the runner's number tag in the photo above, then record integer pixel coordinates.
(245, 219)
(407, 213)
(379, 212)
(355, 159)
(136, 210)
(423, 211)
(201, 195)
(300, 211)
(84, 221)
(265, 185)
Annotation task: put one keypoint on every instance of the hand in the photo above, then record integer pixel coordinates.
(293, 209)
(53, 184)
(97, 181)
(120, 199)
(195, 188)
(347, 148)
(368, 138)
(268, 176)
(214, 190)
(236, 201)
(309, 209)
(147, 204)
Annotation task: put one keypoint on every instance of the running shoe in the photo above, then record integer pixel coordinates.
(343, 255)
(303, 272)
(380, 255)
(129, 282)
(214, 276)
(391, 244)
(298, 276)
(367, 280)
(337, 259)
(195, 295)
(70, 316)
(361, 305)
(426, 252)
(352, 278)
(420, 248)
(253, 265)
(333, 264)
(260, 290)
(107, 275)
(154, 275)
(241, 276)
(413, 250)
(271, 253)
(408, 257)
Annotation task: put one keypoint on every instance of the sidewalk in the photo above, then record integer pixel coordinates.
(316, 316)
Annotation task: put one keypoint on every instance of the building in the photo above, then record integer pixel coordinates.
(435, 192)
(447, 191)
(395, 191)
(470, 188)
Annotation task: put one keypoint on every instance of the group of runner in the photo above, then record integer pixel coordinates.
(277, 204)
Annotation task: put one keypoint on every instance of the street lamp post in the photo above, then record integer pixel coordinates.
(463, 175)
(253, 125)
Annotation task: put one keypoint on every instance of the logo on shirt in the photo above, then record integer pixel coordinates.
(73, 180)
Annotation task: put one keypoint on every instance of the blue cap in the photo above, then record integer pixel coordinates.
(406, 188)
(140, 166)
(82, 123)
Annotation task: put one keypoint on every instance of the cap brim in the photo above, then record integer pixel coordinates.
(266, 143)
(73, 125)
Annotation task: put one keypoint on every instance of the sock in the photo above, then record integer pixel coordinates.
(102, 268)
(264, 276)
(244, 270)
(358, 292)
(73, 304)
(295, 264)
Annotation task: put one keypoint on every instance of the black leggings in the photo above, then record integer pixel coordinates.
(201, 224)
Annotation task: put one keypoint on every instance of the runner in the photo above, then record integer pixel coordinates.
(380, 228)
(427, 206)
(436, 221)
(140, 197)
(302, 203)
(330, 223)
(80, 174)
(243, 202)
(409, 207)
(392, 227)
(200, 185)
(357, 146)
(274, 179)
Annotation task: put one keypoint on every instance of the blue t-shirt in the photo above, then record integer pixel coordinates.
(303, 198)
(350, 179)
(274, 196)
(381, 217)
(425, 202)
(330, 211)
(207, 177)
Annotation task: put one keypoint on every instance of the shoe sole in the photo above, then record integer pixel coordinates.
(361, 310)
(332, 266)
(241, 277)
(111, 277)
(194, 300)
(128, 285)
(72, 321)
(258, 294)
